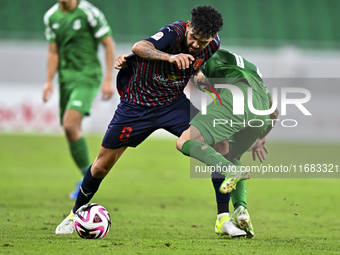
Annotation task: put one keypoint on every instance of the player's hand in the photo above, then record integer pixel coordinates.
(121, 61)
(47, 91)
(182, 60)
(258, 148)
(199, 81)
(107, 90)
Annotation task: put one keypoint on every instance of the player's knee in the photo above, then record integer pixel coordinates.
(179, 143)
(99, 171)
(185, 136)
(222, 147)
(72, 132)
(68, 128)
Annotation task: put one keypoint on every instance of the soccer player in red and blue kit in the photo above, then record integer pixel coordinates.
(151, 83)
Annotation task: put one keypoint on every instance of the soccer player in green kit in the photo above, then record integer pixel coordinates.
(74, 29)
(197, 141)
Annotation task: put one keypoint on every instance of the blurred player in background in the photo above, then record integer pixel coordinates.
(228, 68)
(74, 29)
(151, 87)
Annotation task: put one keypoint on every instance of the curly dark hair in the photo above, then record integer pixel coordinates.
(206, 20)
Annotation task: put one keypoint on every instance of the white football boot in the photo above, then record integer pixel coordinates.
(243, 221)
(225, 226)
(66, 226)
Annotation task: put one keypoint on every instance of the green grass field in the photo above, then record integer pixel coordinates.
(156, 208)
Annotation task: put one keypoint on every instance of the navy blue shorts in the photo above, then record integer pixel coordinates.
(133, 123)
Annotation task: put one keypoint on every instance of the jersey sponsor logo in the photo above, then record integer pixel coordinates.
(160, 79)
(171, 80)
(198, 63)
(172, 77)
(157, 36)
(77, 24)
(55, 26)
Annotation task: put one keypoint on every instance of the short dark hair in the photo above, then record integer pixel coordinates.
(206, 20)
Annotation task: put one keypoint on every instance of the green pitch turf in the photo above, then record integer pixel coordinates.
(156, 208)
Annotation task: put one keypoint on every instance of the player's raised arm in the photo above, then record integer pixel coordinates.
(147, 50)
(52, 66)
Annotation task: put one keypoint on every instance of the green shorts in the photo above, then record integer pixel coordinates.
(241, 130)
(79, 98)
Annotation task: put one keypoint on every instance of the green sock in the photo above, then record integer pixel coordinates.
(80, 154)
(204, 153)
(239, 195)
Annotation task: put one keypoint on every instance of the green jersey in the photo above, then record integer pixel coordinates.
(233, 68)
(77, 34)
(219, 122)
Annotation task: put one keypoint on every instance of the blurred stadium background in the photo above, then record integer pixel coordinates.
(294, 44)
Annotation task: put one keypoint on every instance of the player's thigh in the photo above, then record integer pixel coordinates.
(218, 123)
(192, 133)
(176, 116)
(64, 96)
(222, 147)
(81, 99)
(130, 126)
(132, 134)
(72, 119)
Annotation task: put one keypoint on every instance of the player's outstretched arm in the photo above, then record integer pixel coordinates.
(273, 117)
(259, 147)
(52, 66)
(107, 88)
(147, 50)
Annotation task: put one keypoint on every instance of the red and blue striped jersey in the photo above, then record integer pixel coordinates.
(156, 83)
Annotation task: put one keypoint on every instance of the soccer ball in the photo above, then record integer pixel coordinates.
(92, 221)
